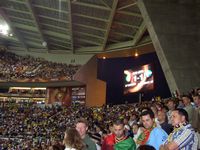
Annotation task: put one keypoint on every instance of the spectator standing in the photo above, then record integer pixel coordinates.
(188, 107)
(171, 104)
(196, 117)
(183, 136)
(82, 127)
(162, 118)
(72, 140)
(152, 135)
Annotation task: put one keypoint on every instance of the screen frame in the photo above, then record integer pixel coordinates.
(135, 68)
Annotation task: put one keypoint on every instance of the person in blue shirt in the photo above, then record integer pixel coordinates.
(152, 135)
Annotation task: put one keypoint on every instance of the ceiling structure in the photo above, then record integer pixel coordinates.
(72, 26)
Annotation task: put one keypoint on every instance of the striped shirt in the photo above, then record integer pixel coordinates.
(184, 137)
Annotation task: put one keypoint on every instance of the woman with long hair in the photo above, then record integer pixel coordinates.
(72, 140)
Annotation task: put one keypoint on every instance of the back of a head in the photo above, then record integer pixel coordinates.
(73, 139)
(58, 147)
(146, 147)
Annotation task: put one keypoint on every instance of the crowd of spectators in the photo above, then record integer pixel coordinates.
(26, 92)
(14, 67)
(41, 128)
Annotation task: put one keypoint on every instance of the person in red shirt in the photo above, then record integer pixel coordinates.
(109, 140)
(118, 140)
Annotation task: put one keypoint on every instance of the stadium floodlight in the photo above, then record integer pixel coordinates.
(4, 29)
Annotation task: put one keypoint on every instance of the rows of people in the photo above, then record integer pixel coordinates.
(15, 67)
(169, 124)
(25, 92)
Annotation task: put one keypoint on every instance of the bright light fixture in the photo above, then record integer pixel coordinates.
(4, 29)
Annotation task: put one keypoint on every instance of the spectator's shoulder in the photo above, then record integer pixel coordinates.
(159, 131)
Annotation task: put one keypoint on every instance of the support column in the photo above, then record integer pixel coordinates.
(174, 27)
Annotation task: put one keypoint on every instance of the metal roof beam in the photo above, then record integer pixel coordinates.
(114, 40)
(90, 5)
(54, 19)
(36, 21)
(17, 1)
(15, 48)
(32, 39)
(34, 43)
(127, 6)
(120, 45)
(130, 13)
(90, 35)
(70, 26)
(90, 17)
(89, 27)
(29, 33)
(87, 41)
(56, 27)
(56, 34)
(131, 47)
(8, 38)
(13, 29)
(127, 25)
(17, 10)
(139, 33)
(25, 27)
(123, 45)
(58, 45)
(111, 18)
(88, 52)
(103, 1)
(19, 18)
(89, 49)
(59, 40)
(60, 51)
(122, 34)
(51, 9)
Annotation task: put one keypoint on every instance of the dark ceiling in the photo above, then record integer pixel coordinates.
(72, 26)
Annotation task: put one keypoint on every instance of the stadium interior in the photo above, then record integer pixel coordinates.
(97, 59)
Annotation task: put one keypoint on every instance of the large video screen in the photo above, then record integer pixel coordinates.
(139, 79)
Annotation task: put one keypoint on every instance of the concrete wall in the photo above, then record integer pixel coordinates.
(95, 89)
(174, 30)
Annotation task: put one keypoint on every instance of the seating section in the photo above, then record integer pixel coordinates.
(26, 68)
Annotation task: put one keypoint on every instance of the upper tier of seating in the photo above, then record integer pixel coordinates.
(29, 69)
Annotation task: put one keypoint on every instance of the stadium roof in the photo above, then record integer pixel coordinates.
(72, 26)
